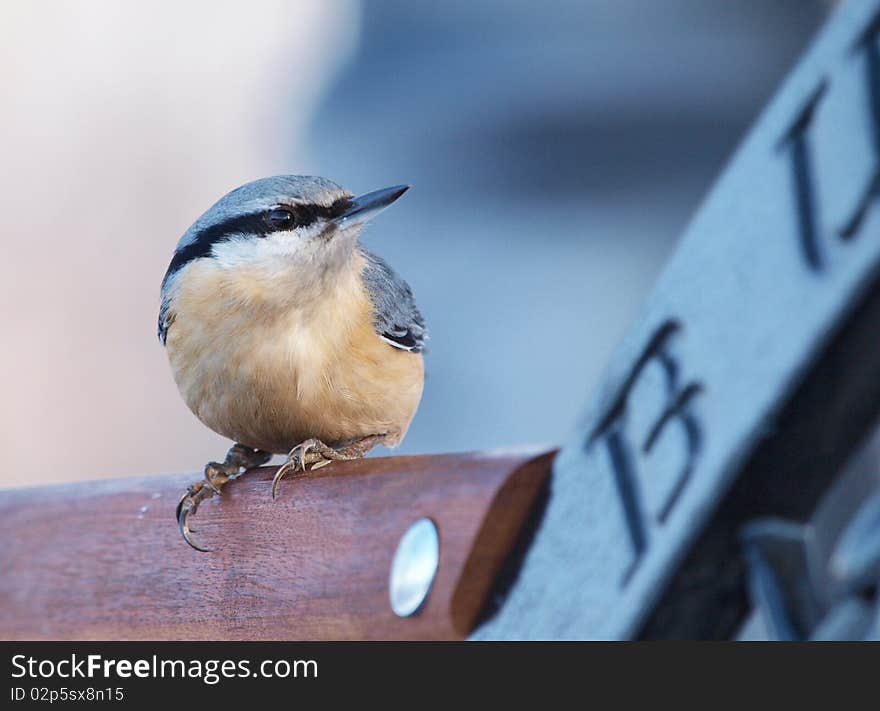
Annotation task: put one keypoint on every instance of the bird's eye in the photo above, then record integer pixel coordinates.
(281, 219)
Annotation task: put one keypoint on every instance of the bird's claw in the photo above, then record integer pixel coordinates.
(198, 492)
(238, 460)
(186, 507)
(296, 460)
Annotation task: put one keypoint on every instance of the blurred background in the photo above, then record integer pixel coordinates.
(556, 151)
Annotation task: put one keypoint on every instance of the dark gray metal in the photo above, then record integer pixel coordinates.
(820, 580)
(744, 386)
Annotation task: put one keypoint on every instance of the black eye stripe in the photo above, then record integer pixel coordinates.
(304, 215)
(256, 223)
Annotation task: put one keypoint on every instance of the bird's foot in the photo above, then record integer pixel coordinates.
(309, 452)
(315, 452)
(238, 460)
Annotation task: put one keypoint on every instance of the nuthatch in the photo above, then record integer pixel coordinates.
(285, 335)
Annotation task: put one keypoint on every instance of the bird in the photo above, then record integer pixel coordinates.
(286, 335)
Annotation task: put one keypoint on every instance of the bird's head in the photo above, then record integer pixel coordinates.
(280, 223)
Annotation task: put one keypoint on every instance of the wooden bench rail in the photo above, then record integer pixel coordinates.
(104, 560)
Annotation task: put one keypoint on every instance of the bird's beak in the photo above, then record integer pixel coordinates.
(366, 207)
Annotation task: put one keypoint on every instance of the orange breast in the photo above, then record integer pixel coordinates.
(271, 371)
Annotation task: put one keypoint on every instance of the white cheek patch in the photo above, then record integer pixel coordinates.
(278, 250)
(273, 250)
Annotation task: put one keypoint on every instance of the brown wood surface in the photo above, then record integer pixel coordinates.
(104, 560)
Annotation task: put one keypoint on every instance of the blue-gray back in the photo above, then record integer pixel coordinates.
(397, 318)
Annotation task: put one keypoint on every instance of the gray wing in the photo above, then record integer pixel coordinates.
(397, 319)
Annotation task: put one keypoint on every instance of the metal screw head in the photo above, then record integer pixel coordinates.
(414, 567)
